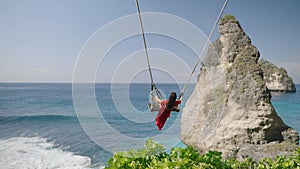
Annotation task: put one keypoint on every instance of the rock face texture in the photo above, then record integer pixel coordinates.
(230, 109)
(276, 79)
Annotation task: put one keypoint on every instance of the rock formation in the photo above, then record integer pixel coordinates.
(230, 108)
(276, 78)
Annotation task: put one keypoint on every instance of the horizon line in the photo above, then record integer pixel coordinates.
(37, 82)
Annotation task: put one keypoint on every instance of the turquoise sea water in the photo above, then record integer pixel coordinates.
(39, 127)
(287, 105)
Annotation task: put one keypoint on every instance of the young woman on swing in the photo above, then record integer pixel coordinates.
(165, 108)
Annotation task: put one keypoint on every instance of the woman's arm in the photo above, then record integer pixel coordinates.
(176, 107)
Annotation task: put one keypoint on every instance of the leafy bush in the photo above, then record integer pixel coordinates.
(226, 18)
(152, 156)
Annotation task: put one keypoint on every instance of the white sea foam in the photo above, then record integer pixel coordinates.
(38, 153)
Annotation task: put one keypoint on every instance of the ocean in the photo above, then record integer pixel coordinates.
(44, 126)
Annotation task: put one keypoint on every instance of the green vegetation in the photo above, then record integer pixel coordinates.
(270, 69)
(152, 156)
(226, 18)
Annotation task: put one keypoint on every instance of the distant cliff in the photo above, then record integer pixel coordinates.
(230, 108)
(276, 79)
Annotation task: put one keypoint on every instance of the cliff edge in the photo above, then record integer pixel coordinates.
(230, 108)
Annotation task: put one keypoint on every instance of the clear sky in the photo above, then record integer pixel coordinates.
(40, 40)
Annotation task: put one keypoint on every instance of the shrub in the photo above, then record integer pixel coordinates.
(147, 158)
(226, 18)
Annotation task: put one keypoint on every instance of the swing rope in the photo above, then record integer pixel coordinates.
(153, 86)
(203, 49)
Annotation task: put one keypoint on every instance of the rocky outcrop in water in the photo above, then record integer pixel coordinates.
(230, 108)
(276, 79)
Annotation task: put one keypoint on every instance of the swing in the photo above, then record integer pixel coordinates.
(155, 94)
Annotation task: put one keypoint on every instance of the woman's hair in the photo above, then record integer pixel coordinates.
(172, 101)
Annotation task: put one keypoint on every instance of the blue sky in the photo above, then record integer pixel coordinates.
(41, 39)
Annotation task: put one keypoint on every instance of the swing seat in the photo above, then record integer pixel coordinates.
(153, 105)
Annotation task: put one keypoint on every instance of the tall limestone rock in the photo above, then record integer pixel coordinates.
(230, 109)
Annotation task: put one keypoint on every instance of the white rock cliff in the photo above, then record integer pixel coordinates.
(230, 108)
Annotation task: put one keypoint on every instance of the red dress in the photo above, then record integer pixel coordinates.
(163, 114)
